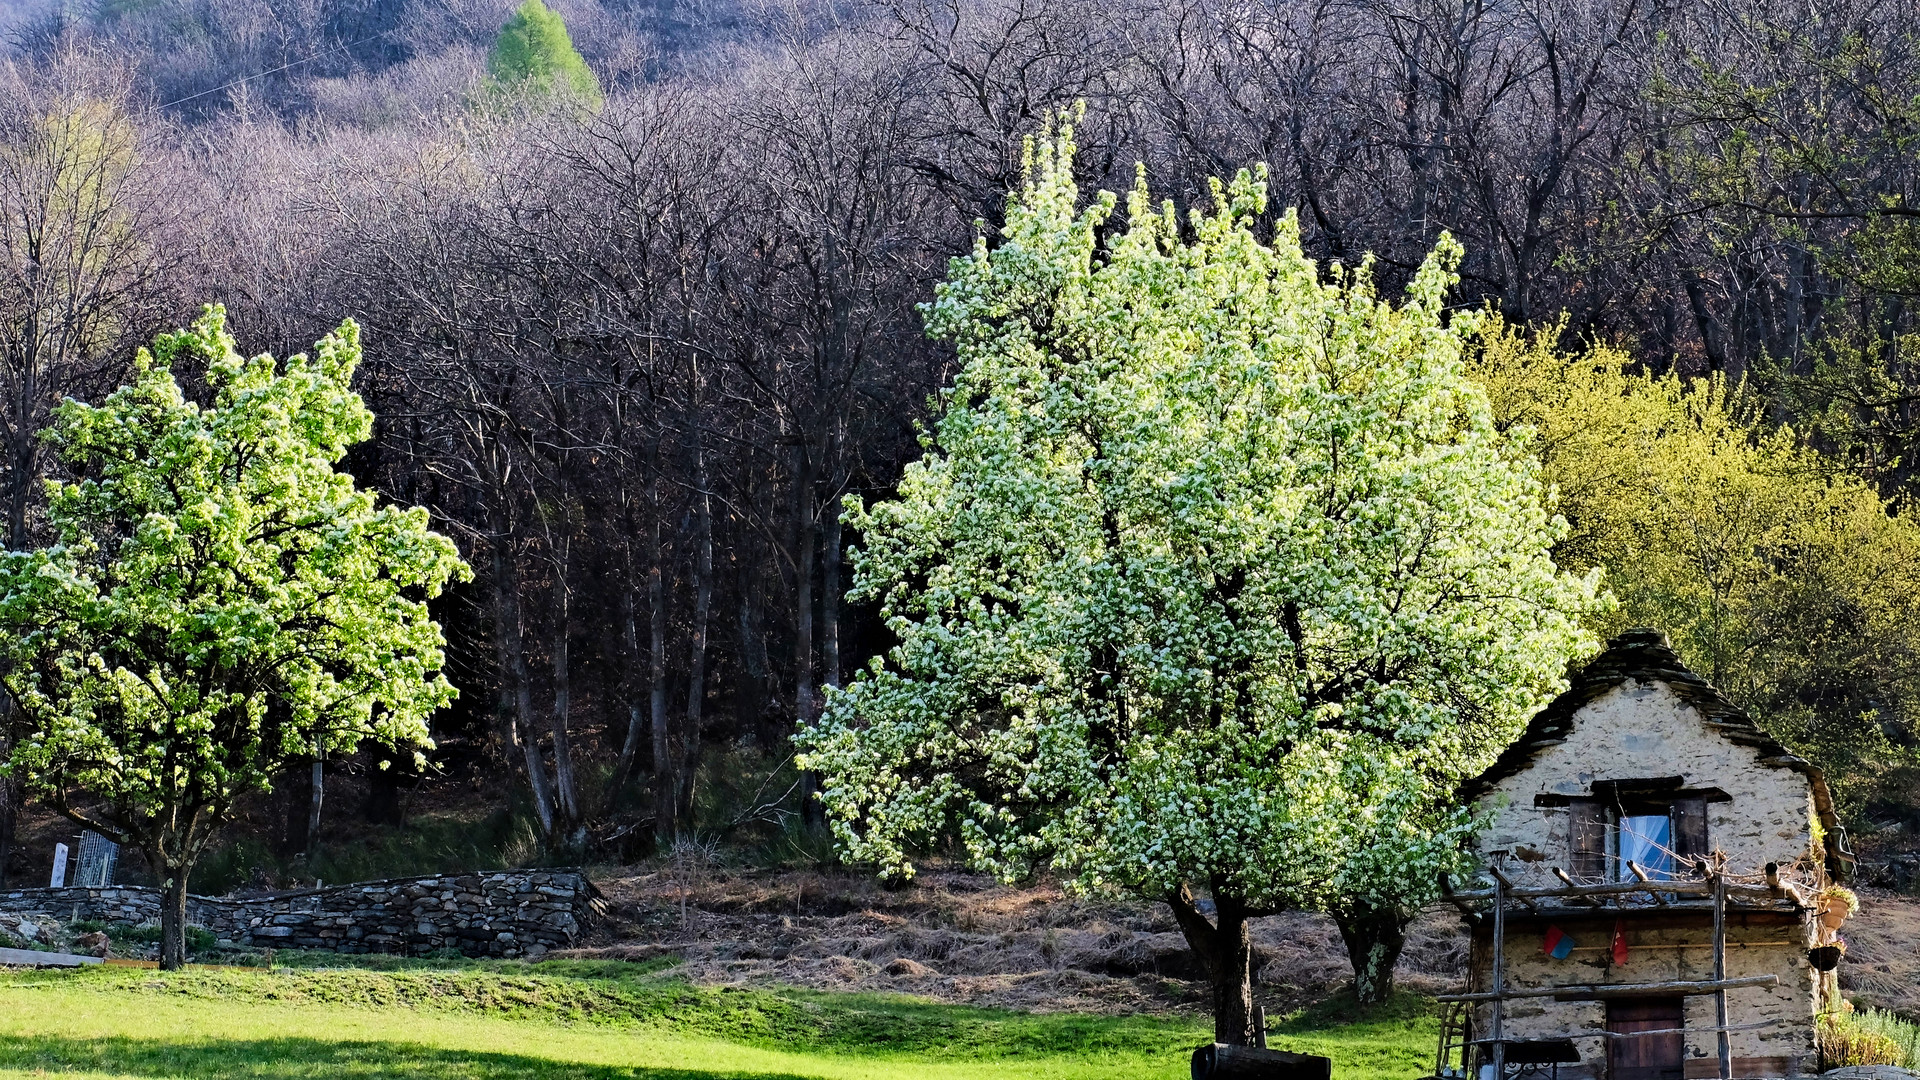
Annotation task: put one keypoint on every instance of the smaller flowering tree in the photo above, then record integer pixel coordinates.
(1216, 577)
(218, 600)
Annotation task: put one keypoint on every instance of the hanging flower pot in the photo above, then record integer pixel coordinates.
(1826, 957)
(1835, 904)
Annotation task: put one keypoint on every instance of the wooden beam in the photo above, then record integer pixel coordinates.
(1499, 995)
(1446, 890)
(1702, 889)
(1506, 884)
(1587, 900)
(1642, 876)
(1661, 1031)
(1680, 988)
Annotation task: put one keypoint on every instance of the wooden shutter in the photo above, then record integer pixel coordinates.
(1587, 837)
(1690, 830)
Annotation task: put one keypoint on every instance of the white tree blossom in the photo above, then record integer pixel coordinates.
(1215, 572)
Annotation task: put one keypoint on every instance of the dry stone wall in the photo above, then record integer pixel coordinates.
(519, 913)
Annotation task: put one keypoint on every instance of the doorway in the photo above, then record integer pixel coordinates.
(1648, 1057)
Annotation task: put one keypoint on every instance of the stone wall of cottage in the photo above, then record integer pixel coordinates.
(1755, 946)
(1643, 730)
(519, 913)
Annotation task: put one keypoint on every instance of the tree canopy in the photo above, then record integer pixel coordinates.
(1216, 573)
(1778, 574)
(218, 600)
(535, 54)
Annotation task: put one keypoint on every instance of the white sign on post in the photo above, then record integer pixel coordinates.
(59, 867)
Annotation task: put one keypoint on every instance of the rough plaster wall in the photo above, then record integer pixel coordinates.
(1643, 730)
(1760, 949)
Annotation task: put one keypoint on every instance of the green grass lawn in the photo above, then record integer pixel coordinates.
(466, 1021)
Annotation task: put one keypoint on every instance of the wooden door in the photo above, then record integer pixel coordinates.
(1648, 1057)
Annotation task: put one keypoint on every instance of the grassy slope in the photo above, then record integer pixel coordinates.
(595, 1021)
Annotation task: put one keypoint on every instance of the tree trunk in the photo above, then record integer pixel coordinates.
(7, 796)
(750, 703)
(830, 600)
(806, 538)
(630, 638)
(1225, 949)
(517, 683)
(663, 779)
(690, 734)
(6, 821)
(566, 791)
(173, 915)
(318, 795)
(1374, 938)
(25, 467)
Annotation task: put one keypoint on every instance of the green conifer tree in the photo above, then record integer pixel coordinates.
(535, 55)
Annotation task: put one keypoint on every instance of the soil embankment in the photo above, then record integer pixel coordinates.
(963, 938)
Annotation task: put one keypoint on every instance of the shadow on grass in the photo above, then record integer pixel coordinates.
(316, 1059)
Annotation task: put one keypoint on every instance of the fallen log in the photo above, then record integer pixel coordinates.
(1222, 1061)
(30, 958)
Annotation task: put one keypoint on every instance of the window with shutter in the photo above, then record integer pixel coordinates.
(1690, 830)
(1587, 836)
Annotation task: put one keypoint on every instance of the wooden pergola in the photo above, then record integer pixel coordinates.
(1711, 892)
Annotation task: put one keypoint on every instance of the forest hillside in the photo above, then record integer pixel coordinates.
(639, 288)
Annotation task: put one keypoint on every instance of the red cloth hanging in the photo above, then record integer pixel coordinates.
(1619, 941)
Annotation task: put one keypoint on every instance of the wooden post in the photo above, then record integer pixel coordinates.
(1499, 979)
(1720, 970)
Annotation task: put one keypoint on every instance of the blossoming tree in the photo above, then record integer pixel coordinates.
(218, 600)
(1215, 577)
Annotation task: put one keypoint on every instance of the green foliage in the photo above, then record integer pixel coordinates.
(1902, 1035)
(199, 939)
(1872, 1037)
(534, 55)
(1214, 570)
(426, 844)
(1785, 580)
(220, 600)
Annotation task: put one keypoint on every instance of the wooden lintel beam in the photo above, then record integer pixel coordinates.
(1681, 988)
(1659, 1031)
(1701, 889)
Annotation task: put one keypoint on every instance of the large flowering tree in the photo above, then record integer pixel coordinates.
(219, 599)
(1215, 576)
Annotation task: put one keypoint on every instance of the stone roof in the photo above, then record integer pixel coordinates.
(1644, 655)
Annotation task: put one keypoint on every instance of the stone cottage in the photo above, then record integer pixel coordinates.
(1654, 874)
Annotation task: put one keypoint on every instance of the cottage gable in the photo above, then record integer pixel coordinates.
(1638, 732)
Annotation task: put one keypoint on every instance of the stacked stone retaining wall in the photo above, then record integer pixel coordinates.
(507, 914)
